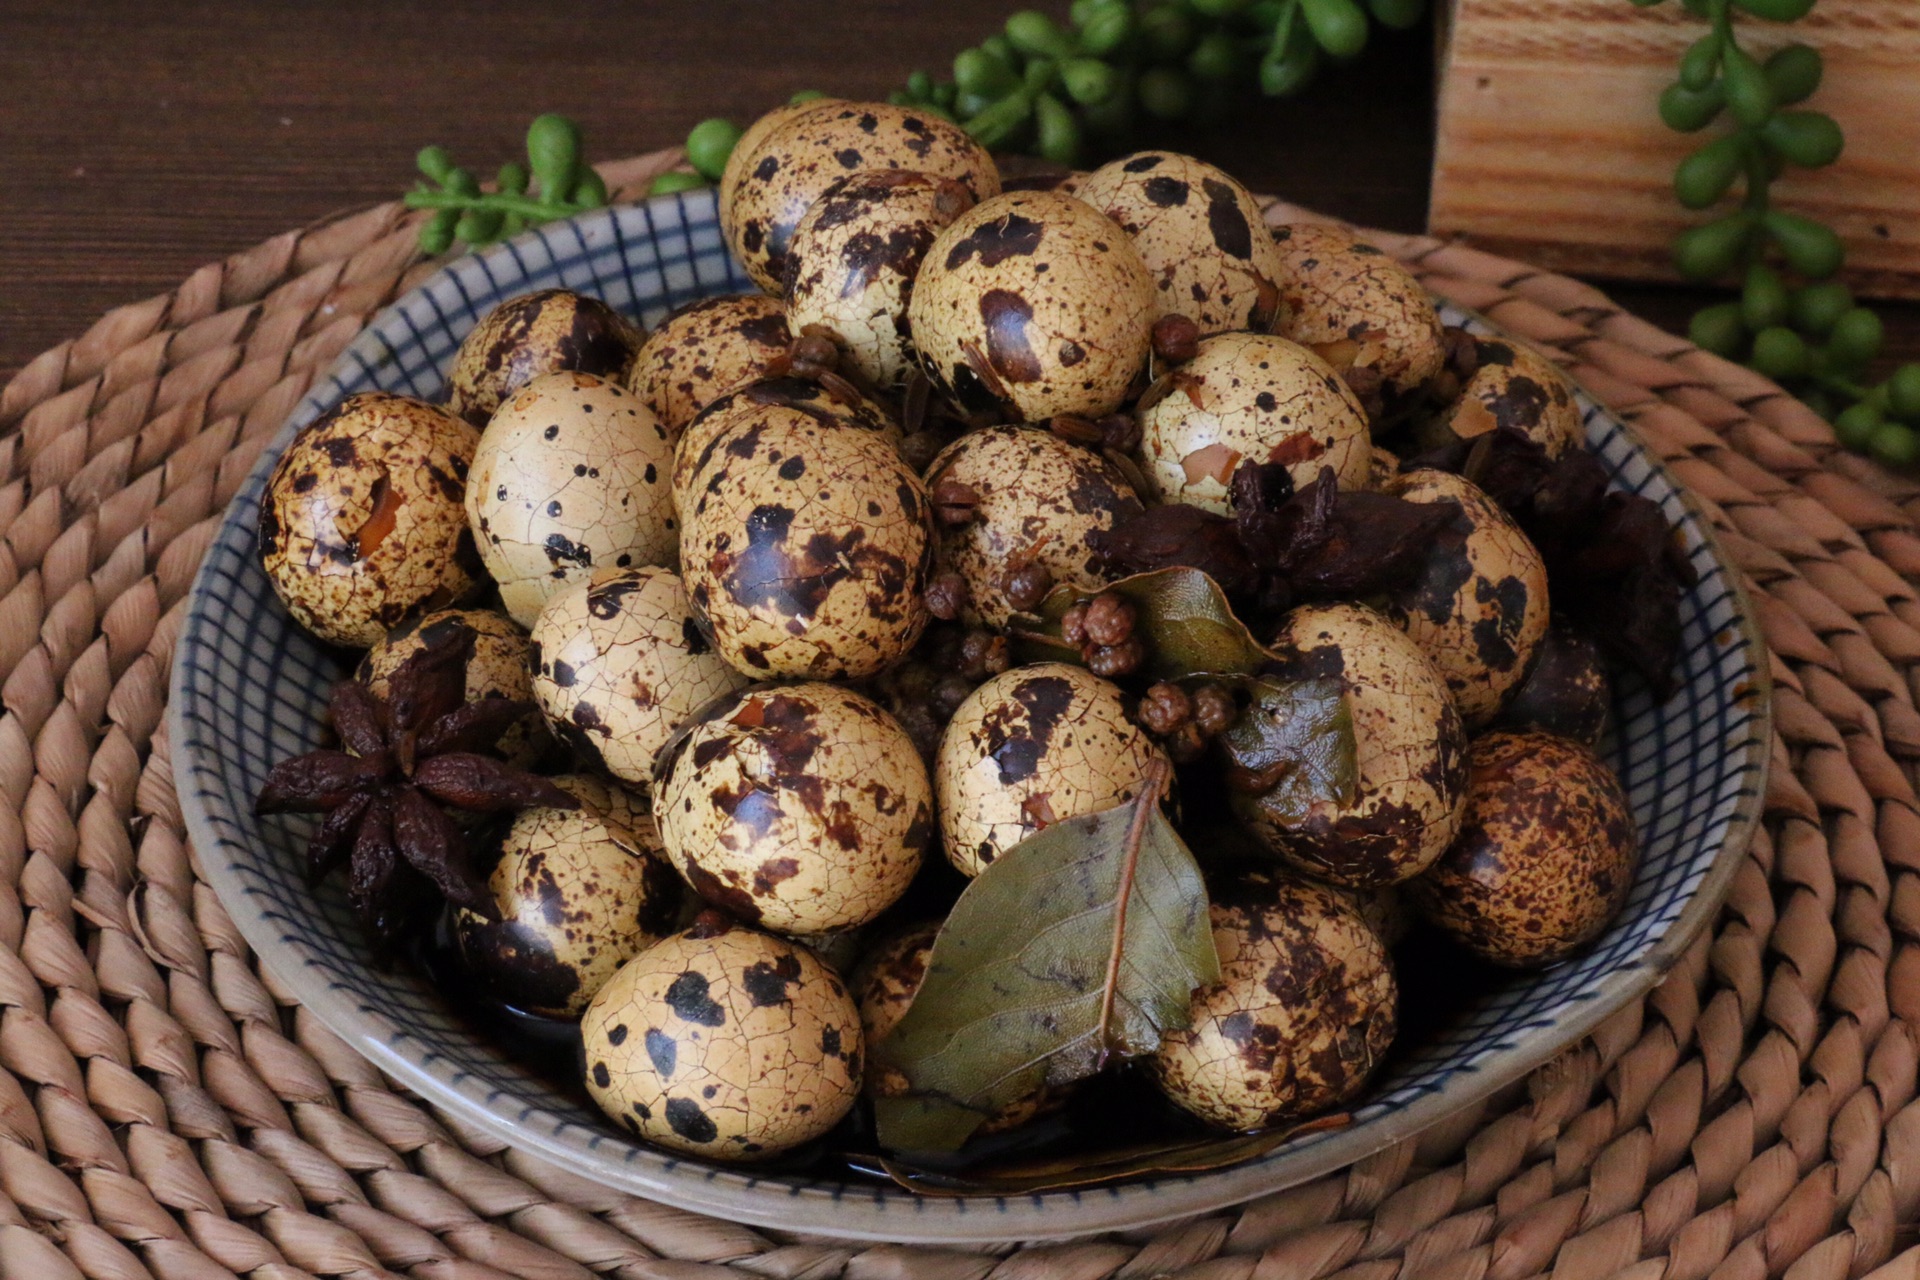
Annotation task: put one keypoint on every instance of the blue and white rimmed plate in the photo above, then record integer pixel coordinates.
(249, 688)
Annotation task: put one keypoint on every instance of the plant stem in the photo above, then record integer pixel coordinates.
(1152, 784)
(525, 206)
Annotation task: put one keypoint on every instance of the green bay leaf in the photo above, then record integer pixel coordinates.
(1184, 620)
(1293, 746)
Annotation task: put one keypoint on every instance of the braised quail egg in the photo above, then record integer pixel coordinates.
(580, 892)
(1410, 753)
(619, 662)
(573, 473)
(1031, 747)
(852, 260)
(803, 808)
(1478, 605)
(806, 547)
(1566, 690)
(705, 349)
(724, 1042)
(1357, 308)
(497, 669)
(1302, 1015)
(774, 399)
(768, 186)
(1250, 397)
(1033, 304)
(1513, 387)
(1037, 500)
(362, 522)
(1545, 856)
(544, 332)
(1200, 234)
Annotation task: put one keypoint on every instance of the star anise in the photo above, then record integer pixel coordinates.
(406, 756)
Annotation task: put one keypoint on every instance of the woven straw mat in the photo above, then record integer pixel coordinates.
(165, 1112)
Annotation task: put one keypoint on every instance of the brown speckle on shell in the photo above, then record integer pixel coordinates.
(1355, 306)
(1513, 388)
(1566, 691)
(543, 332)
(499, 667)
(705, 349)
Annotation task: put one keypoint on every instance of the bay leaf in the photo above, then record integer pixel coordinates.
(1184, 621)
(1293, 746)
(1080, 944)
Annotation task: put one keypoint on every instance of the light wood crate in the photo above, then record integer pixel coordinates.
(1551, 148)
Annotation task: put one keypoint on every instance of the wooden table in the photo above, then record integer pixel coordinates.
(143, 140)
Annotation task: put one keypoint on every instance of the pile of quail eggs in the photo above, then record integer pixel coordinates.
(708, 554)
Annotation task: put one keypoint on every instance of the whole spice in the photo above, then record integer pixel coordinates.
(955, 502)
(1116, 660)
(1176, 339)
(1214, 710)
(1109, 620)
(946, 595)
(1165, 709)
(1027, 585)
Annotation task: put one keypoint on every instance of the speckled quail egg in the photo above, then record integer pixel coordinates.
(1410, 753)
(543, 332)
(1303, 1013)
(499, 667)
(1251, 397)
(580, 891)
(573, 473)
(1385, 909)
(1200, 234)
(724, 1042)
(1357, 307)
(1039, 498)
(1478, 605)
(705, 349)
(852, 261)
(1033, 304)
(774, 399)
(806, 547)
(619, 662)
(1566, 690)
(1386, 465)
(1513, 387)
(362, 521)
(1545, 856)
(803, 808)
(1033, 746)
(769, 185)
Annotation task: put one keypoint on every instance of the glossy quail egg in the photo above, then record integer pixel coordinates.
(1385, 909)
(769, 185)
(1303, 1013)
(1566, 690)
(803, 808)
(580, 892)
(1357, 307)
(619, 663)
(774, 399)
(1478, 605)
(705, 349)
(724, 1042)
(1545, 856)
(1039, 499)
(1251, 397)
(852, 261)
(1410, 752)
(806, 547)
(572, 474)
(544, 332)
(1516, 388)
(1033, 304)
(1033, 746)
(362, 521)
(1199, 232)
(499, 667)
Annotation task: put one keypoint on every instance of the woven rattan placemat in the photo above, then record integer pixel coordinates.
(164, 1112)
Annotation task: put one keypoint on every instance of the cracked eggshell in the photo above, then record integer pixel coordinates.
(1040, 498)
(1514, 388)
(499, 668)
(1353, 305)
(1478, 607)
(1545, 855)
(619, 663)
(728, 1044)
(362, 521)
(1410, 752)
(1304, 1011)
(543, 332)
(1033, 304)
(801, 808)
(572, 474)
(806, 547)
(852, 261)
(705, 349)
(1251, 397)
(1033, 746)
(771, 180)
(580, 891)
(1200, 234)
(769, 400)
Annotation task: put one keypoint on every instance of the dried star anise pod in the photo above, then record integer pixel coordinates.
(406, 756)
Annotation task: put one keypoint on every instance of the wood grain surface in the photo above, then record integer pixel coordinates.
(139, 141)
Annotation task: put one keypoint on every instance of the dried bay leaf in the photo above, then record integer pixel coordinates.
(1292, 745)
(1080, 944)
(1184, 620)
